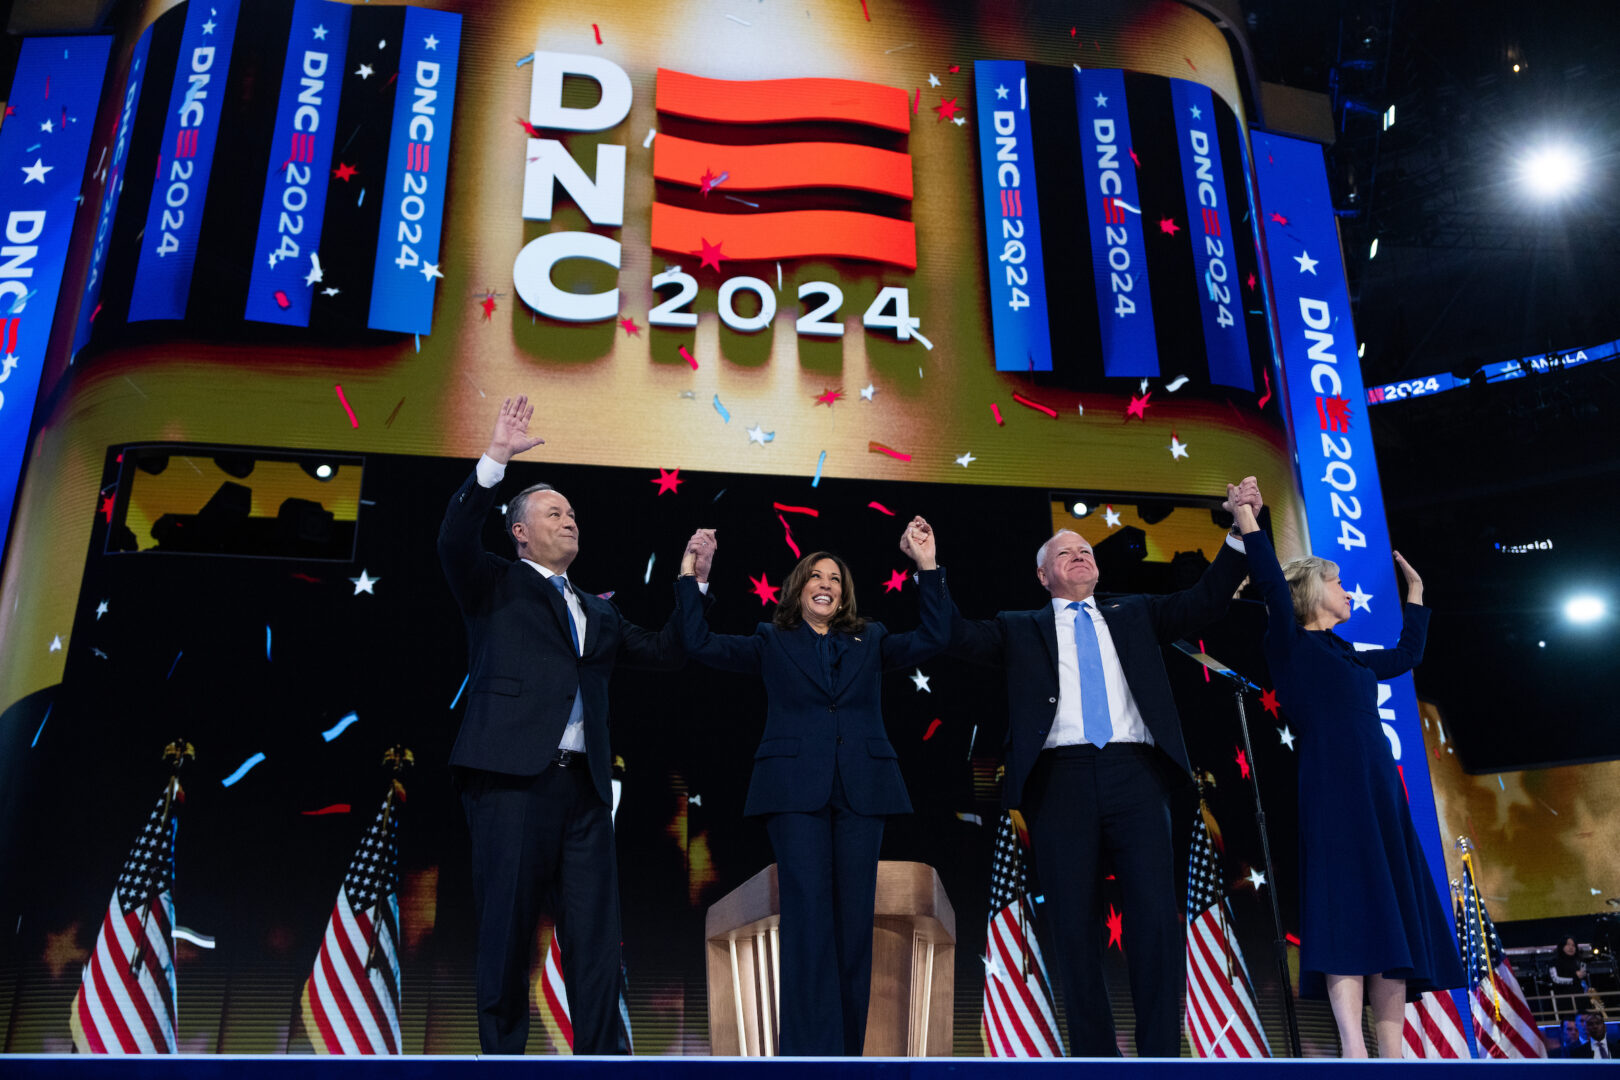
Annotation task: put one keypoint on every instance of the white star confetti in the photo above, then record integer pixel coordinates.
(101, 609)
(921, 681)
(1111, 516)
(1178, 449)
(1285, 736)
(364, 583)
(867, 392)
(364, 71)
(966, 459)
(757, 434)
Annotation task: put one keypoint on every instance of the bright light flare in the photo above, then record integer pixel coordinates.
(1583, 610)
(1551, 171)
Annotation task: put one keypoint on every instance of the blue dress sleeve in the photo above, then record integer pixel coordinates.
(727, 652)
(933, 632)
(1268, 578)
(1408, 652)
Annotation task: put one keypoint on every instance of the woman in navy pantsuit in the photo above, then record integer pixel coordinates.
(1370, 921)
(825, 774)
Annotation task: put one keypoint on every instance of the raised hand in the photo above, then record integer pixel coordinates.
(1242, 509)
(511, 436)
(918, 543)
(699, 555)
(1414, 584)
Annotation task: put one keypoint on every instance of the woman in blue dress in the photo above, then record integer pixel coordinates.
(825, 774)
(1371, 925)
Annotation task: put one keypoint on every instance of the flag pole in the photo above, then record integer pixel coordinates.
(397, 759)
(176, 754)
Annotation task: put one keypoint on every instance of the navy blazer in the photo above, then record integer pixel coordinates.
(1025, 644)
(524, 668)
(810, 726)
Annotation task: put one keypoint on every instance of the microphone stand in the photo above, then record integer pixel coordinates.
(1279, 944)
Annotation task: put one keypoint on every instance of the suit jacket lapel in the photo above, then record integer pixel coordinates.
(856, 654)
(1046, 621)
(553, 598)
(802, 651)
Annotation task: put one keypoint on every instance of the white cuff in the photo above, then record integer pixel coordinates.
(490, 472)
(703, 587)
(1236, 544)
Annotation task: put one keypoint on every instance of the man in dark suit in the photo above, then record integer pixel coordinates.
(1599, 1043)
(532, 757)
(1093, 754)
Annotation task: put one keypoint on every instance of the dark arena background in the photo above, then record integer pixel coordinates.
(796, 273)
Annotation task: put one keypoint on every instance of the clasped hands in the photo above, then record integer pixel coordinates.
(917, 542)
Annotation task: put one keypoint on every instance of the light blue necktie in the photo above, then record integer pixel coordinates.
(568, 616)
(1094, 719)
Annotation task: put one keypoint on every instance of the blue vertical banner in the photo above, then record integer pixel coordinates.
(1344, 508)
(111, 173)
(286, 255)
(1114, 213)
(185, 160)
(1012, 217)
(1220, 299)
(408, 236)
(43, 148)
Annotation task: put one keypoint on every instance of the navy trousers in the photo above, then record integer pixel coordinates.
(826, 871)
(1083, 804)
(535, 837)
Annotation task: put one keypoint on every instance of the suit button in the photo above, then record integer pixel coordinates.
(840, 740)
(832, 708)
(1040, 731)
(1053, 700)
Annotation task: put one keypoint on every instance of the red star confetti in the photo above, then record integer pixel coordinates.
(706, 181)
(1138, 407)
(667, 480)
(106, 508)
(1168, 226)
(947, 108)
(1250, 281)
(896, 582)
(344, 171)
(1116, 927)
(1268, 701)
(529, 129)
(711, 255)
(630, 327)
(827, 397)
(1242, 760)
(488, 304)
(932, 727)
(1278, 218)
(764, 589)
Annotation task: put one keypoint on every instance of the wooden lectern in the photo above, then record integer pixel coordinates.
(913, 966)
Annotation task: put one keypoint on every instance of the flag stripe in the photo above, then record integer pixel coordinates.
(776, 101)
(354, 941)
(341, 1039)
(112, 1001)
(343, 999)
(1034, 1007)
(1235, 992)
(787, 234)
(784, 166)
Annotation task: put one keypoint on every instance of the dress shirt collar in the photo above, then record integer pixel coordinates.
(548, 573)
(1061, 604)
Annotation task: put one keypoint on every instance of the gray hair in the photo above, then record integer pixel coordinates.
(518, 505)
(1305, 576)
(1040, 553)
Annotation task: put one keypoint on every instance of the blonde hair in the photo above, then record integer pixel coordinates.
(1305, 577)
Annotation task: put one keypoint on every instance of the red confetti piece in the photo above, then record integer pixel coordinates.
(1200, 640)
(947, 108)
(530, 130)
(281, 300)
(932, 727)
(879, 448)
(880, 508)
(1242, 760)
(94, 313)
(896, 582)
(827, 397)
(597, 32)
(1190, 63)
(335, 808)
(344, 171)
(995, 411)
(1037, 406)
(1264, 374)
(688, 357)
(1250, 281)
(868, 14)
(106, 508)
(916, 102)
(1138, 407)
(711, 255)
(1401, 770)
(667, 480)
(764, 589)
(488, 304)
(787, 531)
(1134, 159)
(1116, 927)
(390, 421)
(1291, 939)
(796, 509)
(311, 578)
(1268, 701)
(1278, 218)
(1168, 226)
(954, 68)
(352, 421)
(630, 327)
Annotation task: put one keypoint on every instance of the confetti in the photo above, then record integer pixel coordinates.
(921, 682)
(932, 727)
(868, 14)
(721, 409)
(710, 255)
(929, 345)
(1268, 701)
(916, 102)
(1177, 383)
(597, 32)
(788, 535)
(827, 397)
(786, 509)
(740, 22)
(972, 818)
(463, 686)
(281, 300)
(820, 461)
(764, 589)
(880, 508)
(340, 727)
(898, 48)
(267, 643)
(1138, 407)
(947, 108)
(352, 421)
(690, 359)
(646, 579)
(651, 133)
(365, 583)
(42, 720)
(995, 411)
(176, 664)
(755, 205)
(879, 448)
(242, 769)
(1267, 396)
(1116, 926)
(966, 459)
(1242, 760)
(1178, 449)
(896, 582)
(335, 808)
(529, 129)
(667, 480)
(630, 327)
(390, 421)
(1037, 406)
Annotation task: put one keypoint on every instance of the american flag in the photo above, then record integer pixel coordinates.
(126, 998)
(551, 996)
(1434, 1028)
(351, 998)
(1018, 1020)
(1504, 1027)
(1221, 1019)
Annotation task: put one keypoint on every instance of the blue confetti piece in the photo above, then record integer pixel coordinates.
(646, 579)
(176, 664)
(42, 720)
(820, 461)
(361, 201)
(526, 60)
(242, 769)
(31, 149)
(464, 679)
(267, 641)
(418, 342)
(1499, 782)
(721, 409)
(340, 727)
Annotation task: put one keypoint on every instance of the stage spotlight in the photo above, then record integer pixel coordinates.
(322, 470)
(1584, 609)
(1079, 509)
(1551, 171)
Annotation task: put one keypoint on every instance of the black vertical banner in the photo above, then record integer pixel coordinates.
(1072, 314)
(1246, 257)
(355, 195)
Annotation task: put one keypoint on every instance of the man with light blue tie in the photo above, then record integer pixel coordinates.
(533, 759)
(1093, 754)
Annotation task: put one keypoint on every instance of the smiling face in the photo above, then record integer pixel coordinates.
(548, 533)
(1333, 607)
(823, 592)
(1068, 567)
